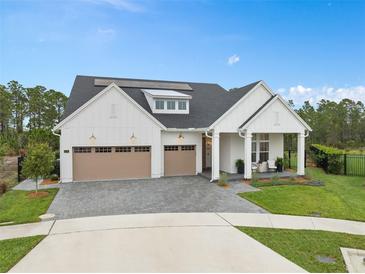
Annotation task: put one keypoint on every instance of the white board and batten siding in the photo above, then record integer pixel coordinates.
(112, 119)
(245, 108)
(276, 118)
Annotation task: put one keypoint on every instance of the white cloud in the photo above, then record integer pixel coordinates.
(127, 5)
(103, 31)
(233, 59)
(299, 94)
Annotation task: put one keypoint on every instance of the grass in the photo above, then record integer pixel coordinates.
(342, 197)
(11, 251)
(16, 206)
(302, 246)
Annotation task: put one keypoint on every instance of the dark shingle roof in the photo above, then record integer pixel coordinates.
(208, 103)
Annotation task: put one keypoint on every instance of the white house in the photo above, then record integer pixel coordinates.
(116, 128)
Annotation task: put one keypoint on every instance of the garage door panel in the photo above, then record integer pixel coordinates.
(179, 160)
(111, 165)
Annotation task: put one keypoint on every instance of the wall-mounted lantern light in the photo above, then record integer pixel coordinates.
(133, 138)
(92, 139)
(180, 137)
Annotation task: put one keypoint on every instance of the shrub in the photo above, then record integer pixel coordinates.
(328, 158)
(54, 177)
(223, 177)
(279, 161)
(240, 165)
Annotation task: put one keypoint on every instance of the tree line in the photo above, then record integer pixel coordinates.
(28, 115)
(340, 125)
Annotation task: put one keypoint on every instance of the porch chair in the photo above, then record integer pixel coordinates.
(271, 165)
(254, 167)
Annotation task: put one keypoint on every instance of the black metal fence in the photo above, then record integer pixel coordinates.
(290, 159)
(353, 164)
(338, 163)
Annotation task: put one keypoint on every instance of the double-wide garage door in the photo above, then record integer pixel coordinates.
(105, 163)
(179, 160)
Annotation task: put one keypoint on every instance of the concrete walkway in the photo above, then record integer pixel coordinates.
(182, 242)
(180, 219)
(29, 185)
(167, 242)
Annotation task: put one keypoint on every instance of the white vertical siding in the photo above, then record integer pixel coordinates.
(97, 119)
(231, 149)
(276, 145)
(243, 110)
(225, 152)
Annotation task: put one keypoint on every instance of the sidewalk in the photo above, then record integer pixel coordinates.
(180, 220)
(29, 185)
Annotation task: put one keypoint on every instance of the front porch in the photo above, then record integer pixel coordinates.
(258, 150)
(207, 173)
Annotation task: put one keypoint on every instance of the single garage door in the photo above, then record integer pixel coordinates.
(105, 163)
(179, 160)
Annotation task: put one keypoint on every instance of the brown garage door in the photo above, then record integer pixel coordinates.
(104, 163)
(179, 160)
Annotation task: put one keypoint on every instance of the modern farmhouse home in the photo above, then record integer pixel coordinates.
(117, 128)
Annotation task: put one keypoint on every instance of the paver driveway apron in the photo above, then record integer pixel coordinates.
(169, 194)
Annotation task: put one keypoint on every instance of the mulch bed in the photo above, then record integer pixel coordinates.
(49, 182)
(39, 194)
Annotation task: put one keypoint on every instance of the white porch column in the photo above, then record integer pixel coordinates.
(248, 151)
(300, 154)
(215, 156)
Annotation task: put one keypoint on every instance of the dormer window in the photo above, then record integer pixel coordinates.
(160, 104)
(182, 105)
(167, 101)
(170, 105)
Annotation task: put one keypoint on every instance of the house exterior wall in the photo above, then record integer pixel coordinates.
(276, 118)
(111, 128)
(250, 103)
(225, 152)
(231, 149)
(276, 145)
(190, 138)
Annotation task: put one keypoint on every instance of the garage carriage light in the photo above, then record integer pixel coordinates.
(92, 139)
(133, 138)
(180, 138)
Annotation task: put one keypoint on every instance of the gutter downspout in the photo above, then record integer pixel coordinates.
(307, 134)
(211, 174)
(54, 133)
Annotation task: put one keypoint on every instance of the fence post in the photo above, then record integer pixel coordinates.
(345, 164)
(305, 158)
(289, 158)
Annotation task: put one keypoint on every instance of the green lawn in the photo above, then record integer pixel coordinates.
(342, 197)
(302, 246)
(11, 251)
(17, 207)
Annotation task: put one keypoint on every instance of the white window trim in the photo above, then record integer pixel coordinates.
(258, 141)
(176, 110)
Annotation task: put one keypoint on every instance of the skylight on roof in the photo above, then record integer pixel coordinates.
(165, 93)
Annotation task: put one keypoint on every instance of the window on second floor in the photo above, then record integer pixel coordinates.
(160, 104)
(182, 105)
(170, 104)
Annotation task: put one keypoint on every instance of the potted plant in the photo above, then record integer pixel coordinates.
(240, 165)
(279, 164)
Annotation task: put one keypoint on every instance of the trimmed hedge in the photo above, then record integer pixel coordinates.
(328, 158)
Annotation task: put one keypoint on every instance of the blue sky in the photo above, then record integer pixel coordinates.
(305, 50)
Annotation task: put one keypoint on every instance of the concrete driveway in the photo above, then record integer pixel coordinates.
(164, 195)
(185, 242)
